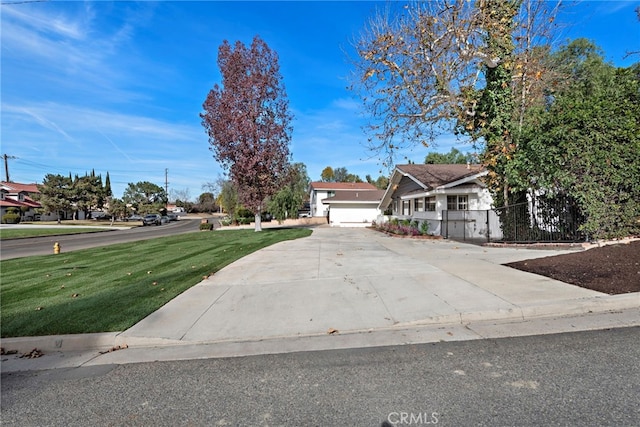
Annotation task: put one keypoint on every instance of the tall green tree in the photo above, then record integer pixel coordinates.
(286, 202)
(55, 194)
(88, 193)
(107, 187)
(585, 142)
(145, 197)
(248, 122)
(117, 209)
(495, 110)
(454, 156)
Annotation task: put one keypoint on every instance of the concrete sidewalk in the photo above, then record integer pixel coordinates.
(343, 288)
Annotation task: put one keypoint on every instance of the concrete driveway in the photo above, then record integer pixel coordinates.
(353, 280)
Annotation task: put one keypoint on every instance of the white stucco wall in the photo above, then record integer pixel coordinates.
(317, 207)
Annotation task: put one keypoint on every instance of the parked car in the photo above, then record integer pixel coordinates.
(134, 218)
(152, 219)
(164, 219)
(172, 216)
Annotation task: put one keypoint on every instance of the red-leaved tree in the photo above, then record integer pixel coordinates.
(248, 122)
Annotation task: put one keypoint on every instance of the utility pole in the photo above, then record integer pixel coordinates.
(6, 166)
(166, 183)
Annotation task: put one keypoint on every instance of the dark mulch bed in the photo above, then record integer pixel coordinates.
(612, 269)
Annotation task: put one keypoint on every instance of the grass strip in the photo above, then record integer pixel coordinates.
(21, 233)
(111, 288)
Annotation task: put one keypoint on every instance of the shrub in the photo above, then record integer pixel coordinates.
(424, 227)
(206, 226)
(403, 228)
(244, 213)
(11, 218)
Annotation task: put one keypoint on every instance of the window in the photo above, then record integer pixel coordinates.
(463, 203)
(406, 207)
(431, 204)
(457, 203)
(418, 205)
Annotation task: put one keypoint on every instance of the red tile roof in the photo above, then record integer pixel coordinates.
(16, 187)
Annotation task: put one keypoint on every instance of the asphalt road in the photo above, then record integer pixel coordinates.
(17, 248)
(575, 379)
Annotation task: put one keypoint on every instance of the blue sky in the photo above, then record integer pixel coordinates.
(118, 86)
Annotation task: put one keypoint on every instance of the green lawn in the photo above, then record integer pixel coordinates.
(20, 233)
(113, 287)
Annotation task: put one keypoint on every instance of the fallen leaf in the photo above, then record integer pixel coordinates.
(154, 283)
(39, 308)
(62, 287)
(68, 274)
(332, 331)
(75, 295)
(148, 272)
(116, 348)
(128, 274)
(33, 354)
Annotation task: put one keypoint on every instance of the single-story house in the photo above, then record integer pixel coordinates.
(433, 192)
(354, 208)
(321, 191)
(15, 195)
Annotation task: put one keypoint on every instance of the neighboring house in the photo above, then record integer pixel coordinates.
(437, 192)
(15, 195)
(320, 191)
(354, 208)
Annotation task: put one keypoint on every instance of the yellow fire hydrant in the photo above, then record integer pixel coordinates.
(56, 248)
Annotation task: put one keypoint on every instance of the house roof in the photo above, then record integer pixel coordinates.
(15, 187)
(340, 186)
(432, 176)
(358, 196)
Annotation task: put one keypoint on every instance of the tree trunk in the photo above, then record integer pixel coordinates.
(258, 220)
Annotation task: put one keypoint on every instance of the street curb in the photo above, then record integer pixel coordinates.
(71, 342)
(110, 340)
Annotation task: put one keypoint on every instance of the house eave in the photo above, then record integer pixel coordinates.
(396, 177)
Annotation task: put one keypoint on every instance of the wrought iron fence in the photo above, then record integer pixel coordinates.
(541, 219)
